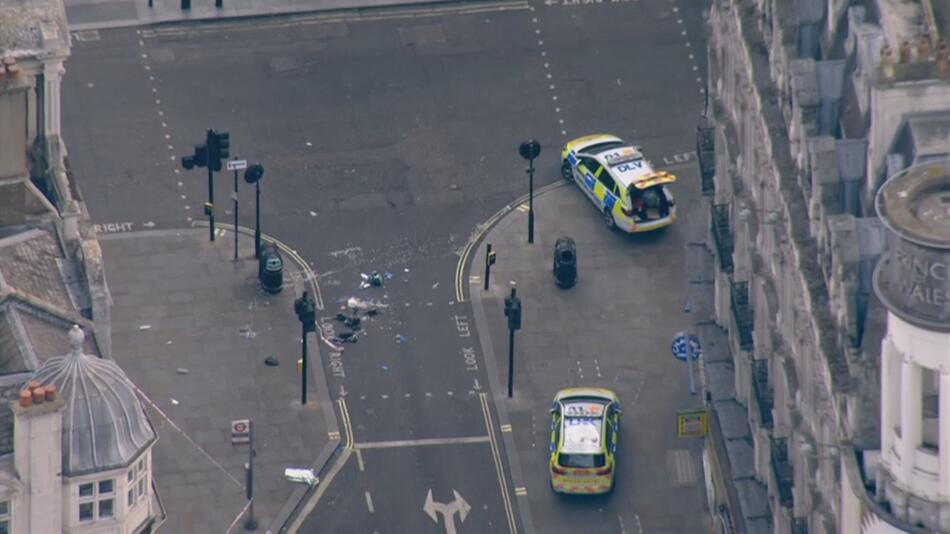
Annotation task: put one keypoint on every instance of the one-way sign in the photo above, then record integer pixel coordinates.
(237, 164)
(683, 345)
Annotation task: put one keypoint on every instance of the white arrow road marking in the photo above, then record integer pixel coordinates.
(477, 386)
(448, 510)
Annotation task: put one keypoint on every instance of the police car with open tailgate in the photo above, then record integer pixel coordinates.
(630, 194)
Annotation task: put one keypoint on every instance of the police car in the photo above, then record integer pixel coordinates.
(628, 191)
(585, 424)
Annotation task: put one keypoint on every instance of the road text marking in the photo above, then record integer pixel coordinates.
(420, 442)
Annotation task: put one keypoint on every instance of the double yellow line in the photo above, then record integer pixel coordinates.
(347, 426)
(483, 229)
(499, 467)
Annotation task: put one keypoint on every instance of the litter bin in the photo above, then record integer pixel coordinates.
(565, 262)
(270, 269)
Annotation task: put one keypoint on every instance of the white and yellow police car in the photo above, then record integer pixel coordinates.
(629, 192)
(585, 426)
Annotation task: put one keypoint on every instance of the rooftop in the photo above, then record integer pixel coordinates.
(33, 27)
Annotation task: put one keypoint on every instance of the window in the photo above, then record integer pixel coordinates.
(609, 183)
(138, 481)
(96, 497)
(4, 517)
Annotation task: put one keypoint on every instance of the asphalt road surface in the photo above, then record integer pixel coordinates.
(387, 139)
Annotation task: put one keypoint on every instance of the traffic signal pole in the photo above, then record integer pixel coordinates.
(235, 214)
(210, 142)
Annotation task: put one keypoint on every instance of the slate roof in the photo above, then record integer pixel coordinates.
(104, 424)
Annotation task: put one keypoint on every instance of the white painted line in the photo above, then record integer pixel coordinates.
(420, 442)
(369, 502)
(359, 460)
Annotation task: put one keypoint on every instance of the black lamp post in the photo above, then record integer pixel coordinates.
(250, 523)
(530, 150)
(253, 175)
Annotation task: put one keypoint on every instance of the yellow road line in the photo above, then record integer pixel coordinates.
(321, 489)
(499, 469)
(347, 427)
(483, 229)
(309, 275)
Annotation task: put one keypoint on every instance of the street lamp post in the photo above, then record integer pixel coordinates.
(305, 309)
(513, 313)
(253, 175)
(250, 523)
(530, 150)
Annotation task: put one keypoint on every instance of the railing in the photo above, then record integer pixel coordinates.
(762, 391)
(783, 473)
(722, 235)
(742, 314)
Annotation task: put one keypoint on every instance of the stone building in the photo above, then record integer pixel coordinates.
(814, 104)
(75, 458)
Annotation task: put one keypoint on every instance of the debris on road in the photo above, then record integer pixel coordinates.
(182, 371)
(175, 402)
(363, 304)
(435, 285)
(303, 476)
(145, 327)
(271, 361)
(401, 338)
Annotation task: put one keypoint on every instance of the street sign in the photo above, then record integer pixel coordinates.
(241, 431)
(237, 164)
(692, 424)
(529, 149)
(682, 344)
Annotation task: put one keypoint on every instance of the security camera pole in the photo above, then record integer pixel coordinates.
(513, 313)
(530, 150)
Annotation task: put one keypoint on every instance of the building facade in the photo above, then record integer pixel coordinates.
(814, 104)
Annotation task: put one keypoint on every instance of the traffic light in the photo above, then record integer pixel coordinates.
(513, 311)
(306, 312)
(219, 144)
(198, 159)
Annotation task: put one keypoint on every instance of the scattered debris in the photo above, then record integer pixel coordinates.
(313, 214)
(175, 402)
(330, 344)
(169, 342)
(352, 322)
(375, 279)
(182, 371)
(406, 270)
(388, 275)
(271, 361)
(347, 335)
(361, 304)
(341, 317)
(247, 332)
(435, 285)
(303, 476)
(401, 338)
(372, 312)
(687, 307)
(145, 327)
(385, 367)
(309, 143)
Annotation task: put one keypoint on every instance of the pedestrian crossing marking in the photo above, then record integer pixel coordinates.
(521, 491)
(506, 428)
(474, 279)
(679, 465)
(333, 435)
(523, 208)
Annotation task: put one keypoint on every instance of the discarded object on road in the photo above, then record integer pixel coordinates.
(303, 476)
(375, 279)
(401, 338)
(352, 322)
(174, 402)
(565, 262)
(182, 371)
(271, 361)
(372, 312)
(362, 304)
(347, 335)
(145, 327)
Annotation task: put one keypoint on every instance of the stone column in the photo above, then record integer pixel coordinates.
(888, 398)
(911, 417)
(52, 76)
(944, 422)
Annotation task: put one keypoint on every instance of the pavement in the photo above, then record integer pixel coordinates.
(612, 329)
(191, 328)
(85, 15)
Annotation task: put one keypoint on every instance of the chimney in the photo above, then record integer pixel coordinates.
(887, 63)
(38, 456)
(904, 52)
(923, 50)
(943, 63)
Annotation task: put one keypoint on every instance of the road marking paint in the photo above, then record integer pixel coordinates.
(333, 435)
(679, 465)
(496, 455)
(474, 279)
(347, 427)
(506, 428)
(369, 502)
(421, 442)
(321, 489)
(521, 491)
(636, 517)
(523, 208)
(359, 460)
